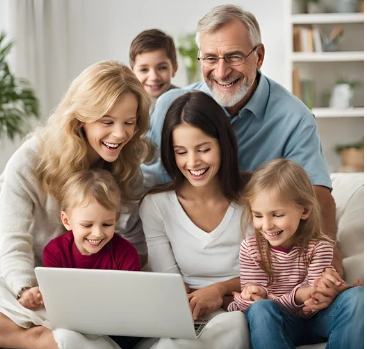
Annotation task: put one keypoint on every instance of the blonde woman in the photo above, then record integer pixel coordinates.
(100, 123)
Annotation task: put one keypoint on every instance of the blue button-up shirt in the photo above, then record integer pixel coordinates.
(273, 124)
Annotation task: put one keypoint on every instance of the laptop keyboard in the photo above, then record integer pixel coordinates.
(199, 327)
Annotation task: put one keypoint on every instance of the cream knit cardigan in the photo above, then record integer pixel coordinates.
(30, 218)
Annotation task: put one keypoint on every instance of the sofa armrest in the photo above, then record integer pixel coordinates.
(348, 192)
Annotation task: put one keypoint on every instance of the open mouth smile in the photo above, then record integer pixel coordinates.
(198, 173)
(273, 234)
(94, 242)
(227, 85)
(111, 146)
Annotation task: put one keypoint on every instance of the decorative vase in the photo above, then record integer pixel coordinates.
(341, 97)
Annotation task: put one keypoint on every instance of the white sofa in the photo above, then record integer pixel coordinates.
(348, 192)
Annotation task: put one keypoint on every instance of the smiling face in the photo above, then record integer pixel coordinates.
(277, 220)
(108, 135)
(154, 70)
(231, 86)
(197, 154)
(93, 226)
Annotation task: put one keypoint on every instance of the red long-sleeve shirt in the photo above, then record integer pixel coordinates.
(118, 254)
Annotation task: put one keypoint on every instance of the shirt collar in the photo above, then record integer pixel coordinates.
(259, 100)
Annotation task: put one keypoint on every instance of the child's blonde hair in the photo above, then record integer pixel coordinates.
(63, 145)
(85, 186)
(288, 181)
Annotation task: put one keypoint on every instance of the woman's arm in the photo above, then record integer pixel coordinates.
(17, 184)
(211, 298)
(160, 253)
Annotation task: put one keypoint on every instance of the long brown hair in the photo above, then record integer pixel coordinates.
(290, 182)
(200, 110)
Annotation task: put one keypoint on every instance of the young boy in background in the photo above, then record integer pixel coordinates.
(153, 60)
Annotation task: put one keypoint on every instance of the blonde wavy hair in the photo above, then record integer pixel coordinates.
(288, 181)
(63, 145)
(83, 187)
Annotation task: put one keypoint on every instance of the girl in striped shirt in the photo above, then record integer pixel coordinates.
(281, 265)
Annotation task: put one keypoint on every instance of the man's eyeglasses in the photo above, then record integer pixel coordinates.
(231, 59)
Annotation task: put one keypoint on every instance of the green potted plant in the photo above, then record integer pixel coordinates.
(352, 157)
(188, 51)
(18, 102)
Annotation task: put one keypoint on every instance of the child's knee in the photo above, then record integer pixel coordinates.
(262, 311)
(353, 300)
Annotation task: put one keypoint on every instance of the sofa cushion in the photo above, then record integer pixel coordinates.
(348, 192)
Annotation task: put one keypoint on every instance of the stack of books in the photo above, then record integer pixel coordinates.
(307, 39)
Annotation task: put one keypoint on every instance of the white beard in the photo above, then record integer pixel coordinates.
(229, 99)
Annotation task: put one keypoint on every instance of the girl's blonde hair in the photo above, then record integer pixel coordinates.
(63, 145)
(288, 181)
(85, 186)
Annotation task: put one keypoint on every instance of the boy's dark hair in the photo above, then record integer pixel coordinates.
(152, 40)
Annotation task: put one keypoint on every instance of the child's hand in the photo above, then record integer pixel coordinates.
(253, 292)
(325, 292)
(31, 298)
(331, 278)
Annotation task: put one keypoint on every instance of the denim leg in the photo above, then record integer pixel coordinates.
(273, 327)
(342, 322)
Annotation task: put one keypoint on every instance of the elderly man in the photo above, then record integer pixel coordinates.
(268, 121)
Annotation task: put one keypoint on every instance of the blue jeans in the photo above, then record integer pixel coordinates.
(341, 324)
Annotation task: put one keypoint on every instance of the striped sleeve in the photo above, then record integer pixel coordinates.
(320, 254)
(250, 271)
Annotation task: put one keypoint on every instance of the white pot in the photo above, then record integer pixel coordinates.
(341, 97)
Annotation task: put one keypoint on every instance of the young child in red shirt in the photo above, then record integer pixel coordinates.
(90, 208)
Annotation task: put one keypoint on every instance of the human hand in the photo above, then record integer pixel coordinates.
(253, 292)
(205, 300)
(31, 298)
(331, 278)
(325, 292)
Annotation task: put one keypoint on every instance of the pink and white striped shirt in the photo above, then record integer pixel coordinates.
(291, 271)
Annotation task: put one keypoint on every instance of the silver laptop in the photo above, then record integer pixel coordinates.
(113, 302)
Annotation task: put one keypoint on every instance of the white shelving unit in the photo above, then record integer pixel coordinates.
(325, 18)
(338, 113)
(351, 56)
(336, 126)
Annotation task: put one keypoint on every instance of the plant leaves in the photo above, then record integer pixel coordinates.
(18, 102)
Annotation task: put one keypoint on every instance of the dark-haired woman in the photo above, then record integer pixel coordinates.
(192, 224)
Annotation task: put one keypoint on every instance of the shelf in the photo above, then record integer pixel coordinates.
(338, 113)
(328, 56)
(325, 18)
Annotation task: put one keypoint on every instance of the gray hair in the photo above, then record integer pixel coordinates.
(223, 14)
